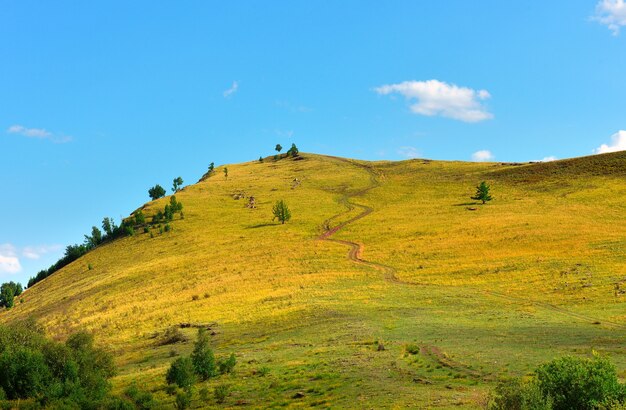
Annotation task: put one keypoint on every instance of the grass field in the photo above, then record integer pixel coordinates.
(443, 297)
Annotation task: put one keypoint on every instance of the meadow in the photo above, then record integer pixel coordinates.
(446, 296)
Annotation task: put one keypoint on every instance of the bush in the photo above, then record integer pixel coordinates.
(563, 384)
(204, 394)
(183, 400)
(576, 383)
(412, 349)
(181, 373)
(516, 394)
(220, 393)
(143, 400)
(140, 218)
(202, 356)
(23, 373)
(70, 375)
(227, 366)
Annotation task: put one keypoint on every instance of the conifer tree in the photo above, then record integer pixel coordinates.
(281, 212)
(482, 193)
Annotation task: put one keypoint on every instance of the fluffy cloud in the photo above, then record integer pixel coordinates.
(435, 97)
(232, 90)
(618, 143)
(409, 152)
(38, 133)
(482, 156)
(9, 262)
(546, 159)
(36, 252)
(611, 13)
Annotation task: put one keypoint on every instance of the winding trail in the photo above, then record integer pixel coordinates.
(356, 251)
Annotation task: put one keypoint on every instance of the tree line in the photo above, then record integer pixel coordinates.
(111, 230)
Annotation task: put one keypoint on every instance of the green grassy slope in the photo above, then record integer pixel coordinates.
(482, 291)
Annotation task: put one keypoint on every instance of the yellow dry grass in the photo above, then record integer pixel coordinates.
(484, 292)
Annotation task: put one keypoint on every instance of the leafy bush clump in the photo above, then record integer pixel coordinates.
(181, 373)
(563, 384)
(72, 374)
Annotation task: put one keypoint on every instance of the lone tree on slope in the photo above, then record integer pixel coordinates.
(156, 192)
(211, 166)
(482, 193)
(226, 172)
(278, 148)
(293, 151)
(281, 212)
(178, 182)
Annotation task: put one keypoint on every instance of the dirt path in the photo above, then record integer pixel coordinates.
(356, 251)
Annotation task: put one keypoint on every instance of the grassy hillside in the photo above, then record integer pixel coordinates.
(458, 294)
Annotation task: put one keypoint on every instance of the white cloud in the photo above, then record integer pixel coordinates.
(232, 90)
(9, 262)
(409, 152)
(611, 13)
(546, 159)
(618, 143)
(36, 252)
(482, 156)
(435, 97)
(38, 133)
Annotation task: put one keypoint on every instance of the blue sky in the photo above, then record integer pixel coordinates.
(101, 100)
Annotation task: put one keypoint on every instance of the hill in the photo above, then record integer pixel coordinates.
(388, 288)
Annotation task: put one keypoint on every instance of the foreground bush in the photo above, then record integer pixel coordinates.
(563, 384)
(73, 374)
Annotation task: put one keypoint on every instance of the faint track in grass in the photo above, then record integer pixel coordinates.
(356, 251)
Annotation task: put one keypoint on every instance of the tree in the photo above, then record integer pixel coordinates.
(156, 192)
(281, 212)
(293, 151)
(109, 226)
(175, 205)
(202, 356)
(278, 148)
(260, 159)
(95, 239)
(482, 193)
(140, 218)
(7, 296)
(211, 166)
(178, 182)
(181, 373)
(226, 172)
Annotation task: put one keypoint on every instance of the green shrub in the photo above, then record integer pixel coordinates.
(140, 219)
(204, 394)
(202, 356)
(220, 393)
(516, 394)
(412, 348)
(227, 366)
(142, 400)
(23, 373)
(183, 400)
(146, 229)
(167, 228)
(575, 383)
(181, 373)
(129, 230)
